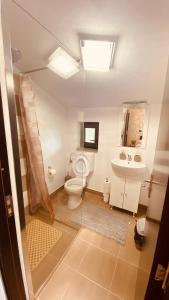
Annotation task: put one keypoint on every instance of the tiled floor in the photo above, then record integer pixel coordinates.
(94, 267)
(64, 214)
(97, 268)
(41, 273)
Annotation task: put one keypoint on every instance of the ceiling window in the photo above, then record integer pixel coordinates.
(97, 55)
(63, 64)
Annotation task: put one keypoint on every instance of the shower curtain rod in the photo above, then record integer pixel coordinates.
(33, 70)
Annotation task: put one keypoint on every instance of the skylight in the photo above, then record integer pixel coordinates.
(97, 55)
(63, 64)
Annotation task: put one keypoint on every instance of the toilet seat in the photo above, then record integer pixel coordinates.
(75, 184)
(81, 166)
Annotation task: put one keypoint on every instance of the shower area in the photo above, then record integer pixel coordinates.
(45, 159)
(47, 237)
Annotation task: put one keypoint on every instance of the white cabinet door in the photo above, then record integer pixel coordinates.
(117, 191)
(131, 194)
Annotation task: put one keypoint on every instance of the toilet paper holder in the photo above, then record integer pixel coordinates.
(51, 171)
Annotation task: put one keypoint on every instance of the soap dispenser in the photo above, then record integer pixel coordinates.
(122, 155)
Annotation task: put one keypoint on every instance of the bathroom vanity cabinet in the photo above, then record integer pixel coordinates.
(125, 193)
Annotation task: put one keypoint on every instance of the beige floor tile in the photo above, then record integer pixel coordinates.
(95, 263)
(125, 283)
(66, 215)
(124, 280)
(146, 257)
(49, 263)
(59, 283)
(76, 253)
(64, 227)
(41, 273)
(148, 250)
(95, 199)
(62, 246)
(99, 241)
(130, 253)
(141, 284)
(98, 266)
(111, 296)
(67, 284)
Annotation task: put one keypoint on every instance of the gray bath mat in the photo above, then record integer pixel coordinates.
(107, 223)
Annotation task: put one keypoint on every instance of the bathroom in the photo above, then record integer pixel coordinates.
(83, 127)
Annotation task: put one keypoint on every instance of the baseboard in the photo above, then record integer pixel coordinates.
(153, 220)
(55, 192)
(85, 190)
(143, 206)
(26, 209)
(124, 211)
(93, 191)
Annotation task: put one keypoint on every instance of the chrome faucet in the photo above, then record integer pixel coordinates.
(129, 158)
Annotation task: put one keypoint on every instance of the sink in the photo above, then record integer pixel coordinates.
(128, 168)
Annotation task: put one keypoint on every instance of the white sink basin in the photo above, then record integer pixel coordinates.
(128, 168)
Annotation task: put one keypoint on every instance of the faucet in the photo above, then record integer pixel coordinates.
(129, 158)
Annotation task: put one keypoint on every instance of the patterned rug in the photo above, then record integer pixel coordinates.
(41, 237)
(107, 223)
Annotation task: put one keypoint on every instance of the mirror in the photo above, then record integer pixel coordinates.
(134, 125)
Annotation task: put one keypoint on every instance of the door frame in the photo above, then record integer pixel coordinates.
(160, 177)
(10, 93)
(162, 241)
(8, 105)
(9, 254)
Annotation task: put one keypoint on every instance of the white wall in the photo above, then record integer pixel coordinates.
(153, 126)
(60, 135)
(59, 132)
(109, 131)
(108, 119)
(52, 122)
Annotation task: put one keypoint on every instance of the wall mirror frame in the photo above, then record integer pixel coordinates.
(134, 124)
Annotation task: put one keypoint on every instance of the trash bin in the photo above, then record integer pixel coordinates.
(140, 232)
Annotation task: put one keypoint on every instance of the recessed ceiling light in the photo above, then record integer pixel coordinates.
(97, 55)
(63, 64)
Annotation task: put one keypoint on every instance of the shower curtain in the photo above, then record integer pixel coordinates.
(37, 189)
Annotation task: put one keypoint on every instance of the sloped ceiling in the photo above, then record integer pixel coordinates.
(140, 27)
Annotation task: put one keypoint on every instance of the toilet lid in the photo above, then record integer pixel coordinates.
(81, 166)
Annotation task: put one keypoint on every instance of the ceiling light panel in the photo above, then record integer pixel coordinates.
(97, 55)
(63, 64)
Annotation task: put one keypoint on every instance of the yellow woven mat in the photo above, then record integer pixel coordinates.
(41, 237)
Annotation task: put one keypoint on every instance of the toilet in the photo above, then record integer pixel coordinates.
(82, 166)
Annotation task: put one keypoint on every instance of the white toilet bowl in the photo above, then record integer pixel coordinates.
(74, 188)
(81, 167)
